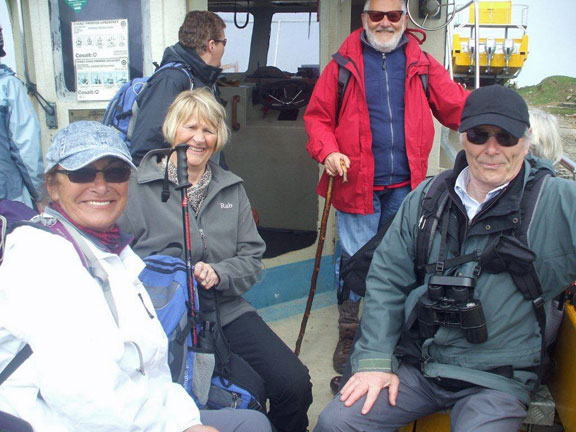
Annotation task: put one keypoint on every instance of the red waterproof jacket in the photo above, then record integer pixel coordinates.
(351, 135)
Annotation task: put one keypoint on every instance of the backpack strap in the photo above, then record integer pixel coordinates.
(528, 282)
(432, 207)
(343, 78)
(15, 363)
(425, 80)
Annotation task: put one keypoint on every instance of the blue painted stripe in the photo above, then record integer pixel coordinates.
(296, 307)
(289, 282)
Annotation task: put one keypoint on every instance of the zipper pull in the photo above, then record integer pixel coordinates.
(203, 236)
(144, 304)
(383, 61)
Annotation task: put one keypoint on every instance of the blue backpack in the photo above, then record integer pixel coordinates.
(199, 356)
(122, 110)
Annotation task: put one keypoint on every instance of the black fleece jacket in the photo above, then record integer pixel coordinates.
(161, 89)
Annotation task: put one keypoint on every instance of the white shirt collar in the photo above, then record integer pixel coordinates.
(470, 204)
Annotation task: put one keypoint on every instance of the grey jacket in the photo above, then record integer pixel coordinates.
(223, 234)
(513, 331)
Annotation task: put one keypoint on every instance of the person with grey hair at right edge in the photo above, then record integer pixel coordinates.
(454, 317)
(546, 142)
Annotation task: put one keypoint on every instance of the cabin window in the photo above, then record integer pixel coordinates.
(117, 54)
(237, 51)
(294, 41)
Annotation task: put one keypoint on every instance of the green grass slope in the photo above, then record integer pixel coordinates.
(555, 94)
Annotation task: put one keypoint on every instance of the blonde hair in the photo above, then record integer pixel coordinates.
(201, 105)
(545, 142)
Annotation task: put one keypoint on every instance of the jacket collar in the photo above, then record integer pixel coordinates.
(151, 171)
(504, 207)
(206, 73)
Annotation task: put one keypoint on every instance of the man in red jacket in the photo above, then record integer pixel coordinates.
(382, 134)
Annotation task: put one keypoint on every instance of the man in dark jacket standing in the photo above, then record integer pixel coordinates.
(200, 47)
(383, 133)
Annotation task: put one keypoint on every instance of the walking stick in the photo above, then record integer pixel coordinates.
(318, 259)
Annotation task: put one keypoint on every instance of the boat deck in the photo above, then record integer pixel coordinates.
(318, 344)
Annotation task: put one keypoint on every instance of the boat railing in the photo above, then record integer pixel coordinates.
(569, 164)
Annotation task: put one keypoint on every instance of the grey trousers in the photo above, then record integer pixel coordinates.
(474, 409)
(236, 420)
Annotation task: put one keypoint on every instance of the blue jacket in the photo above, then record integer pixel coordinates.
(21, 166)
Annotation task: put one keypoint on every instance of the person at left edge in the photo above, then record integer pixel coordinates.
(21, 167)
(91, 370)
(227, 249)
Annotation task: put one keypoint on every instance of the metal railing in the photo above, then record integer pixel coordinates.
(570, 165)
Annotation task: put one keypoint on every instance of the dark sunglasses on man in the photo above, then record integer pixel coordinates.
(112, 174)
(480, 136)
(377, 16)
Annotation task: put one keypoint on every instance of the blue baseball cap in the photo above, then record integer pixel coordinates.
(83, 142)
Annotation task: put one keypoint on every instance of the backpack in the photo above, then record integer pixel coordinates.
(199, 356)
(122, 110)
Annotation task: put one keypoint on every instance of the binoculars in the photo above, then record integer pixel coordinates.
(449, 302)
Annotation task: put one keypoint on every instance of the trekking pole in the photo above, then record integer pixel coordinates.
(183, 185)
(318, 259)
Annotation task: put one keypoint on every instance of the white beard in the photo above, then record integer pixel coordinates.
(385, 47)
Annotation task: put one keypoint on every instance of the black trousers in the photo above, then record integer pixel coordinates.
(288, 385)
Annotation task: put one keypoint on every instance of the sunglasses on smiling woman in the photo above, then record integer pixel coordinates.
(377, 16)
(114, 174)
(480, 136)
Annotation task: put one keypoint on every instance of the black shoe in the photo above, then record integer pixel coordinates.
(335, 384)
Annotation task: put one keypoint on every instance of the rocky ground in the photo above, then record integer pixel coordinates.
(568, 133)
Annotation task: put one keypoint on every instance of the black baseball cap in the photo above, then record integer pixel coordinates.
(497, 106)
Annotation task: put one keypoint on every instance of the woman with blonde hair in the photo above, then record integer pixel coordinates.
(226, 247)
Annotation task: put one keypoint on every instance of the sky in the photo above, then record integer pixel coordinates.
(552, 40)
(551, 31)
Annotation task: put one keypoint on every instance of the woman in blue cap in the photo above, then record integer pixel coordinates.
(98, 358)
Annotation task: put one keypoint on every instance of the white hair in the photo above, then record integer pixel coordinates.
(367, 5)
(545, 141)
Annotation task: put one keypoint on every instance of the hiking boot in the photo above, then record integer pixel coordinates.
(347, 325)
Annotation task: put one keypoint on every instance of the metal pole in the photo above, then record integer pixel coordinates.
(476, 44)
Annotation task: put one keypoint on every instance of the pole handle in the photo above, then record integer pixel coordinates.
(182, 166)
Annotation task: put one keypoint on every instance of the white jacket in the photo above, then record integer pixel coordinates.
(86, 372)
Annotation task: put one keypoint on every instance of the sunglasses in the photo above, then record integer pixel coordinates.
(480, 136)
(115, 174)
(222, 41)
(377, 16)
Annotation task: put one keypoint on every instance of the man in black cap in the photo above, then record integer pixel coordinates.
(21, 168)
(454, 311)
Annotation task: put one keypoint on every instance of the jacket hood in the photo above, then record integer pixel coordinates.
(206, 73)
(5, 71)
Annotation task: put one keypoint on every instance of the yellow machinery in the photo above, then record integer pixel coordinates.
(501, 55)
(563, 382)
